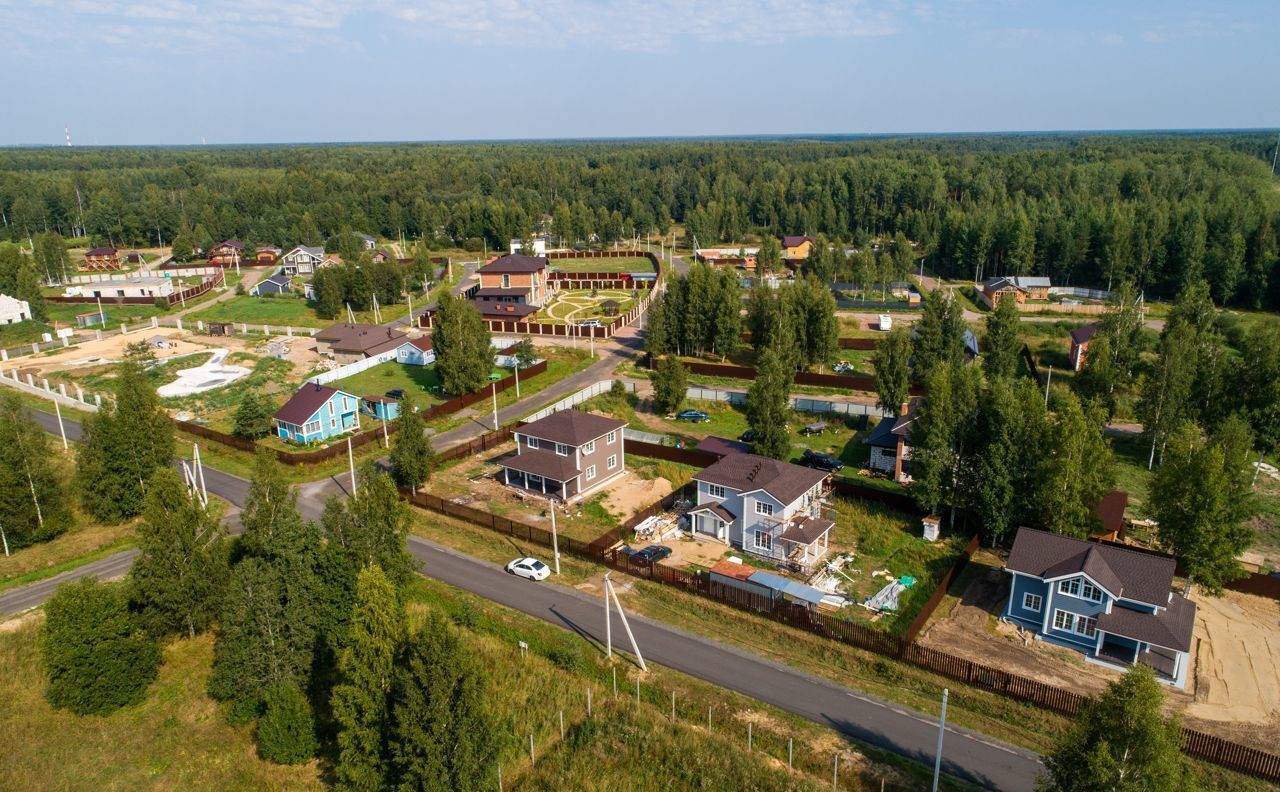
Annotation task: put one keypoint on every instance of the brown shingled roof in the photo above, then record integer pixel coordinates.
(303, 404)
(1142, 577)
(1170, 628)
(571, 427)
(515, 263)
(747, 472)
(542, 463)
(1082, 334)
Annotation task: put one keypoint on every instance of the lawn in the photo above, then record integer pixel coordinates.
(421, 381)
(28, 332)
(273, 377)
(283, 311)
(579, 304)
(628, 264)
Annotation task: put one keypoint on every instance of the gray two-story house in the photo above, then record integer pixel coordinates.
(567, 455)
(768, 508)
(1111, 603)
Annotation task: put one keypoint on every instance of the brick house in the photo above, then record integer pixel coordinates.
(567, 455)
(1080, 338)
(512, 287)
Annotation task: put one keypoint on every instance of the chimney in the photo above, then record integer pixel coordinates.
(905, 406)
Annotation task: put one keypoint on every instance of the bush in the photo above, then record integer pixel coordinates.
(466, 616)
(286, 733)
(94, 654)
(618, 389)
(570, 658)
(239, 289)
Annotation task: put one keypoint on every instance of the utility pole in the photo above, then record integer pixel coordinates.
(609, 589)
(1047, 380)
(516, 364)
(942, 728)
(493, 387)
(61, 429)
(351, 462)
(102, 318)
(555, 539)
(608, 622)
(199, 473)
(5, 539)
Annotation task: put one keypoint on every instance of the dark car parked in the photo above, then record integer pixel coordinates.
(654, 553)
(695, 416)
(395, 393)
(819, 461)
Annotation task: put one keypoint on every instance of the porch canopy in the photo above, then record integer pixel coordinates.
(542, 464)
(1171, 628)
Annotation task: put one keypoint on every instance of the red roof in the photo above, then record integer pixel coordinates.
(303, 404)
(733, 570)
(795, 241)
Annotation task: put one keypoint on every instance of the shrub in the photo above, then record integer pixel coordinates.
(286, 733)
(569, 657)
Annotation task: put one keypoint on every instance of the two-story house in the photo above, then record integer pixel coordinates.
(103, 259)
(226, 253)
(1112, 603)
(567, 455)
(302, 260)
(512, 287)
(768, 508)
(796, 248)
(317, 412)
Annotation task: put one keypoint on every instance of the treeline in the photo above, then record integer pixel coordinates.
(1158, 210)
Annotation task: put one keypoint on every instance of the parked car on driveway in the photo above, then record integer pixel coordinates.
(694, 416)
(748, 436)
(819, 461)
(529, 568)
(589, 323)
(395, 393)
(654, 553)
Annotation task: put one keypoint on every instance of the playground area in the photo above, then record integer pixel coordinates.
(570, 306)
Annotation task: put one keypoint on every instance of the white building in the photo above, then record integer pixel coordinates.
(130, 287)
(13, 310)
(539, 247)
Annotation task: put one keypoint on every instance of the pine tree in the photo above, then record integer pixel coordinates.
(464, 352)
(443, 735)
(1121, 741)
(176, 583)
(254, 416)
(413, 458)
(286, 733)
(669, 386)
(769, 257)
(182, 249)
(1001, 346)
(891, 362)
(361, 701)
(34, 503)
(122, 447)
(93, 652)
(768, 405)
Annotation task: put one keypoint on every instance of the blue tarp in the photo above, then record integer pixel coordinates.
(790, 588)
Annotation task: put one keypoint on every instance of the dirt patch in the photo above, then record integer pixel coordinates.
(1238, 642)
(20, 621)
(628, 494)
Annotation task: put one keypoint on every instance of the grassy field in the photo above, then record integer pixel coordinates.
(629, 264)
(291, 311)
(422, 381)
(578, 305)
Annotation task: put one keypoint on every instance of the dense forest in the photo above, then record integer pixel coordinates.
(1086, 209)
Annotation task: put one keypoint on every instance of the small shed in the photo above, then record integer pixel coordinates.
(380, 407)
(221, 328)
(91, 319)
(721, 446)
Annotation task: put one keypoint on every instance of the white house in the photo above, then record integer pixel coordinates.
(13, 310)
(539, 247)
(768, 508)
(130, 287)
(302, 260)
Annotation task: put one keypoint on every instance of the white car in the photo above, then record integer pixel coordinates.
(529, 568)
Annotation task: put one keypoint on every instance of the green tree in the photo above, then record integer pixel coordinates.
(1076, 467)
(96, 657)
(10, 262)
(464, 352)
(768, 405)
(891, 361)
(176, 583)
(122, 446)
(1201, 497)
(443, 735)
(254, 416)
(669, 385)
(1012, 427)
(29, 288)
(1001, 346)
(769, 257)
(724, 312)
(942, 439)
(817, 322)
(1257, 383)
(1166, 393)
(939, 335)
(1121, 741)
(1098, 375)
(361, 701)
(286, 733)
(182, 249)
(51, 256)
(413, 459)
(34, 503)
(370, 527)
(525, 354)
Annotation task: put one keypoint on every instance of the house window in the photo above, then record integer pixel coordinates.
(612, 436)
(715, 490)
(533, 479)
(331, 408)
(506, 281)
(611, 462)
(531, 442)
(764, 508)
(589, 448)
(764, 540)
(1071, 587)
(1074, 623)
(1082, 589)
(1091, 592)
(591, 472)
(1062, 620)
(562, 449)
(1032, 602)
(311, 428)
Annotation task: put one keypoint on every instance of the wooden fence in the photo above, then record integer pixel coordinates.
(844, 381)
(170, 300)
(931, 604)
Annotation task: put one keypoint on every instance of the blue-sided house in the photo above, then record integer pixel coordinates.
(380, 407)
(317, 412)
(1112, 603)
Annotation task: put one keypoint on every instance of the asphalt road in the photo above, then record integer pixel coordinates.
(966, 754)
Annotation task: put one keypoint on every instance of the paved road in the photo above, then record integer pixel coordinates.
(966, 754)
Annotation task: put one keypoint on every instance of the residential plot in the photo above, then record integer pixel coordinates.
(577, 305)
(624, 264)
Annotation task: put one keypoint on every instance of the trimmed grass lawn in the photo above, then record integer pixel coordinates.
(628, 264)
(292, 311)
(422, 381)
(579, 305)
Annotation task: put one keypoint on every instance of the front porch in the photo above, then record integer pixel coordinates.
(806, 541)
(549, 475)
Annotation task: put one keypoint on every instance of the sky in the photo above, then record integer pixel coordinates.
(179, 72)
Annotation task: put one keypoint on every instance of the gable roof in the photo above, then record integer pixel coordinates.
(996, 284)
(491, 308)
(1110, 510)
(796, 240)
(718, 509)
(281, 281)
(347, 337)
(234, 244)
(313, 250)
(1134, 575)
(733, 569)
(303, 404)
(747, 472)
(721, 446)
(571, 427)
(515, 263)
(1085, 334)
(883, 435)
(1170, 628)
(1032, 281)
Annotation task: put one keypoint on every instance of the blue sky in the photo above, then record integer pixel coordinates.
(245, 71)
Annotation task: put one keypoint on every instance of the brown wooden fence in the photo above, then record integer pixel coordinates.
(1225, 753)
(846, 381)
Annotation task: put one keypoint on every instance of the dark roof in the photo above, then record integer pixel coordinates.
(1142, 577)
(610, 304)
(494, 291)
(722, 447)
(347, 337)
(303, 404)
(282, 281)
(746, 472)
(1082, 335)
(1110, 510)
(717, 509)
(234, 244)
(365, 237)
(542, 463)
(902, 424)
(489, 308)
(571, 427)
(883, 435)
(794, 241)
(101, 252)
(996, 284)
(807, 530)
(1170, 628)
(515, 263)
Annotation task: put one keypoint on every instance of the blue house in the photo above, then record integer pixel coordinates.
(275, 284)
(380, 407)
(1112, 603)
(317, 412)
